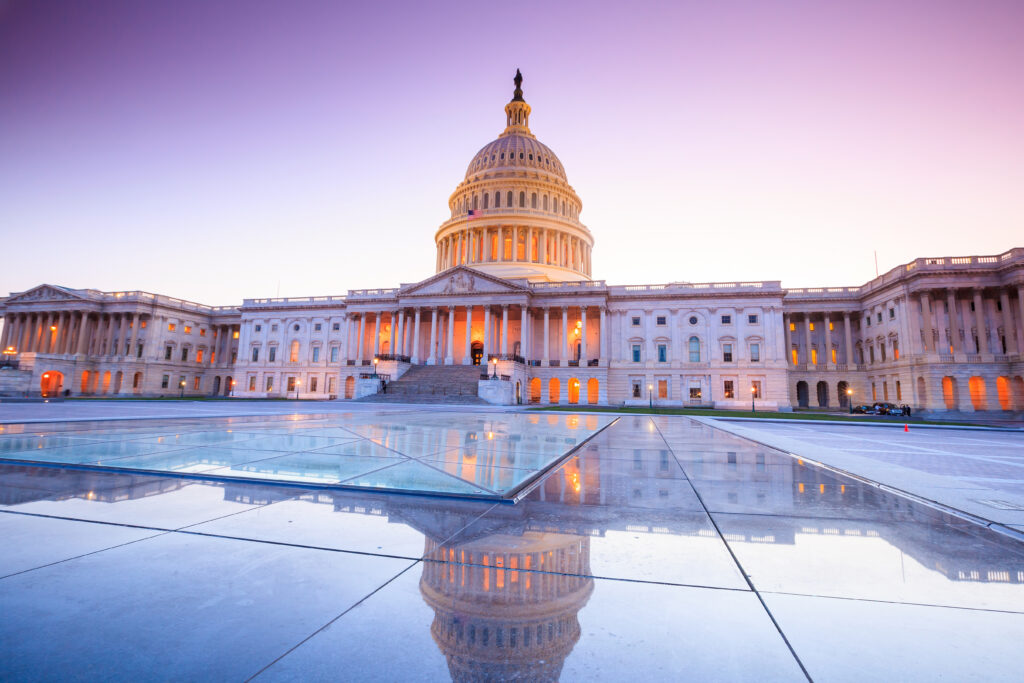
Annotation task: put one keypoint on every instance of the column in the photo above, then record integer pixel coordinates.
(828, 340)
(1008, 332)
(602, 338)
(789, 340)
(83, 334)
(467, 358)
(523, 333)
(62, 327)
(979, 317)
(397, 330)
(504, 329)
(376, 334)
(487, 334)
(416, 338)
(110, 335)
(565, 335)
(26, 332)
(807, 338)
(583, 335)
(359, 341)
(954, 322)
(449, 358)
(8, 324)
(848, 333)
(432, 358)
(542, 244)
(926, 316)
(547, 337)
(130, 346)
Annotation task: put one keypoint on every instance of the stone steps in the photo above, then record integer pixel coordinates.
(439, 384)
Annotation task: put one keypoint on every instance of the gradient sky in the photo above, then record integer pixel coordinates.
(221, 150)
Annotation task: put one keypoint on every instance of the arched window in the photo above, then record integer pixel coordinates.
(522, 200)
(497, 200)
(293, 355)
(694, 350)
(545, 202)
(533, 201)
(487, 200)
(475, 198)
(509, 203)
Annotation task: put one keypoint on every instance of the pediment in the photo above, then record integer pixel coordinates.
(45, 293)
(461, 280)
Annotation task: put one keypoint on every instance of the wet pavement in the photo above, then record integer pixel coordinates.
(664, 549)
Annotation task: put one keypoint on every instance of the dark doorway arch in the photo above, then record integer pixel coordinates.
(802, 397)
(844, 398)
(476, 351)
(216, 385)
(229, 384)
(822, 389)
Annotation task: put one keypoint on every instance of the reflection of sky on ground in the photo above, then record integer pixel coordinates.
(473, 454)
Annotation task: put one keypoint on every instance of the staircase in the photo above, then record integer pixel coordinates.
(450, 384)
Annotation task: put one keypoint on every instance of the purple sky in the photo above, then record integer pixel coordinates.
(216, 151)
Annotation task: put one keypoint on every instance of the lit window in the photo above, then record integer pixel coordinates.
(896, 350)
(752, 319)
(195, 383)
(727, 320)
(660, 320)
(662, 353)
(252, 383)
(293, 356)
(755, 353)
(234, 335)
(792, 327)
(636, 353)
(730, 391)
(834, 355)
(291, 384)
(814, 356)
(188, 329)
(143, 324)
(695, 393)
(727, 353)
(199, 356)
(812, 327)
(270, 383)
(796, 357)
(171, 327)
(662, 388)
(202, 331)
(756, 384)
(831, 326)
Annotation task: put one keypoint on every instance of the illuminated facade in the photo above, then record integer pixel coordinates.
(514, 286)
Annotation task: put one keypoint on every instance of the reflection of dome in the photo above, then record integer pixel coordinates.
(493, 622)
(515, 214)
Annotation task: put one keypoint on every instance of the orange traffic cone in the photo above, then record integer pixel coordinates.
(906, 428)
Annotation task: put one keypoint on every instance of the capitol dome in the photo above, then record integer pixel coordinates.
(515, 214)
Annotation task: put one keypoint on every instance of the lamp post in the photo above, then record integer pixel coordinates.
(753, 393)
(849, 400)
(181, 389)
(494, 364)
(299, 382)
(233, 384)
(8, 353)
(650, 396)
(375, 361)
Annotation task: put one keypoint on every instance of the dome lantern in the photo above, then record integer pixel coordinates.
(517, 112)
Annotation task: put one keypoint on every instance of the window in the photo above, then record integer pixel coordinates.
(273, 328)
(892, 314)
(330, 385)
(195, 383)
(694, 350)
(335, 327)
(138, 351)
(727, 353)
(868, 320)
(727, 320)
(171, 327)
(812, 327)
(814, 356)
(272, 354)
(252, 383)
(756, 386)
(693, 320)
(164, 381)
(291, 384)
(188, 329)
(895, 350)
(636, 353)
(143, 324)
(199, 356)
(317, 327)
(695, 393)
(831, 326)
(755, 353)
(168, 350)
(234, 335)
(295, 327)
(660, 320)
(184, 354)
(255, 353)
(796, 356)
(316, 356)
(258, 328)
(334, 354)
(636, 388)
(312, 383)
(871, 352)
(293, 355)
(792, 327)
(833, 355)
(270, 383)
(662, 388)
(662, 353)
(730, 389)
(879, 320)
(881, 350)
(636, 321)
(899, 391)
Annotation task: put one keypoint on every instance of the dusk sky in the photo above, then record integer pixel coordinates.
(217, 151)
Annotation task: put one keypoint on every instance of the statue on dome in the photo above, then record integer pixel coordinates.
(517, 96)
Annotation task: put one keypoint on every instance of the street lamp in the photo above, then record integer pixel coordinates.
(375, 361)
(181, 387)
(8, 352)
(494, 363)
(233, 384)
(753, 393)
(650, 396)
(849, 399)
(299, 381)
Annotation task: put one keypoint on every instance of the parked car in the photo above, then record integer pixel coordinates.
(864, 409)
(887, 409)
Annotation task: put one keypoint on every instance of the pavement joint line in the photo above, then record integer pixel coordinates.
(891, 602)
(329, 623)
(736, 560)
(997, 527)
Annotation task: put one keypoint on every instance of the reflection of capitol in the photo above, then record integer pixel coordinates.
(507, 592)
(495, 622)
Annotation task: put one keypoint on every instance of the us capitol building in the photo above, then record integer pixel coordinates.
(514, 298)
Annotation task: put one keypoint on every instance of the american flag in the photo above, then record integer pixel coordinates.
(473, 213)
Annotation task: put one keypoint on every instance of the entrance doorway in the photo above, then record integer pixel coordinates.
(802, 399)
(51, 383)
(476, 350)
